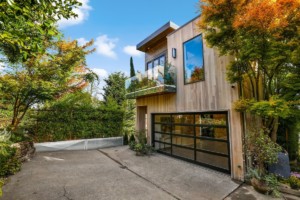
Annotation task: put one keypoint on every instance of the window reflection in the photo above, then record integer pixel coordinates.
(193, 60)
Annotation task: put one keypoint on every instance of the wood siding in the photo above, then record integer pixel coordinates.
(156, 51)
(212, 94)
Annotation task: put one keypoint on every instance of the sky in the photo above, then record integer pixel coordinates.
(117, 26)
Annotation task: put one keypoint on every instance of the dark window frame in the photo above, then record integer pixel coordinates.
(183, 57)
(157, 58)
(195, 148)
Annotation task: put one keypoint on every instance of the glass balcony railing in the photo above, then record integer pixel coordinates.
(158, 80)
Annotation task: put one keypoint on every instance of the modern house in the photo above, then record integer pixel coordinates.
(185, 102)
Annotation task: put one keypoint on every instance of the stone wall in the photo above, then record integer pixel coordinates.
(25, 150)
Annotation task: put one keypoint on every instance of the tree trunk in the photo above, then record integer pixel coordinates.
(274, 129)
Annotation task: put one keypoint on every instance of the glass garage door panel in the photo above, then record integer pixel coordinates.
(217, 161)
(183, 141)
(162, 118)
(213, 146)
(212, 132)
(183, 119)
(211, 119)
(164, 128)
(201, 138)
(184, 153)
(183, 130)
(166, 148)
(165, 138)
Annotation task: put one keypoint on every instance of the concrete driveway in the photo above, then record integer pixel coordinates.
(114, 173)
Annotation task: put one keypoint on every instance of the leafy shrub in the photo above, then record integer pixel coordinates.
(84, 123)
(5, 135)
(294, 182)
(265, 183)
(9, 164)
(273, 183)
(139, 144)
(1, 184)
(261, 149)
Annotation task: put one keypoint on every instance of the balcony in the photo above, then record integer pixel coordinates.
(158, 80)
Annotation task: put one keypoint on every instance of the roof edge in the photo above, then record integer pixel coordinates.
(166, 26)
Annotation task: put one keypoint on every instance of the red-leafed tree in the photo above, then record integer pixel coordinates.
(263, 36)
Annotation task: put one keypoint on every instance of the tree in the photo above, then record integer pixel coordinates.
(263, 36)
(48, 76)
(132, 71)
(115, 88)
(26, 25)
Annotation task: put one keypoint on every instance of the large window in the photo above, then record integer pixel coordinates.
(160, 61)
(197, 137)
(193, 60)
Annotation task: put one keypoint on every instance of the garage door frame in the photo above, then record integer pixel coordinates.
(195, 149)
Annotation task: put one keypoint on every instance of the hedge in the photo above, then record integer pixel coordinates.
(59, 125)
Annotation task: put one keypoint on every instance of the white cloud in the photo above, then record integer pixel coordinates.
(82, 14)
(105, 46)
(131, 50)
(82, 41)
(102, 73)
(98, 90)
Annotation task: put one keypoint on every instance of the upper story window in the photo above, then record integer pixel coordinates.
(193, 60)
(160, 61)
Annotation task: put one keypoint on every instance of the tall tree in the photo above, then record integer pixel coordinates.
(115, 88)
(263, 36)
(48, 76)
(132, 71)
(25, 25)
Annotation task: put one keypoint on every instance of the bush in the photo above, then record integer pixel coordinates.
(264, 183)
(9, 164)
(139, 143)
(294, 182)
(1, 184)
(261, 149)
(83, 123)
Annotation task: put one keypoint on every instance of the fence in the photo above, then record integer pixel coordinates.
(87, 144)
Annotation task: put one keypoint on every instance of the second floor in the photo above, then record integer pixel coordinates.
(178, 61)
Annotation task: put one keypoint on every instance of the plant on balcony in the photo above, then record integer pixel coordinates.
(169, 75)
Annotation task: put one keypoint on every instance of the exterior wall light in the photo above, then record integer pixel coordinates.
(174, 52)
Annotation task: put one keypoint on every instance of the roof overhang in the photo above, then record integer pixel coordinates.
(157, 36)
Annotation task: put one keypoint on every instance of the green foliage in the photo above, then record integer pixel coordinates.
(132, 71)
(9, 164)
(1, 185)
(139, 144)
(273, 183)
(261, 149)
(294, 182)
(265, 182)
(76, 116)
(274, 107)
(48, 76)
(26, 25)
(5, 135)
(263, 37)
(115, 88)
(129, 117)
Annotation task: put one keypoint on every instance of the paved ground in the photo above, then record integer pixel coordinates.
(116, 173)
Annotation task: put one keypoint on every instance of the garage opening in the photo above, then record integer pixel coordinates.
(201, 138)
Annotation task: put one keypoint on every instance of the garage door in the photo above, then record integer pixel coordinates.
(202, 138)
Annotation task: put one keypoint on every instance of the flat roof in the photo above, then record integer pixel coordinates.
(159, 34)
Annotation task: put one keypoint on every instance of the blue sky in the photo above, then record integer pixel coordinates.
(117, 26)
